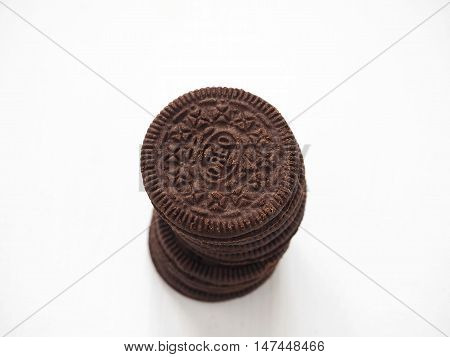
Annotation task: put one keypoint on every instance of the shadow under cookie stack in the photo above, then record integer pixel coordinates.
(226, 179)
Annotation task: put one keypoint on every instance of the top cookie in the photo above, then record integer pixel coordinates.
(219, 162)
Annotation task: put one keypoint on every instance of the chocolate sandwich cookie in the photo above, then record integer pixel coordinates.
(275, 243)
(161, 264)
(195, 266)
(180, 269)
(251, 240)
(253, 249)
(219, 163)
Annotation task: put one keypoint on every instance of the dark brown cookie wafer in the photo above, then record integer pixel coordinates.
(255, 250)
(182, 288)
(188, 286)
(251, 240)
(194, 266)
(220, 162)
(275, 243)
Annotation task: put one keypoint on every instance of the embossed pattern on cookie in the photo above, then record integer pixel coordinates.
(219, 162)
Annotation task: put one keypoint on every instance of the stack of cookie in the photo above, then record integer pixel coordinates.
(226, 179)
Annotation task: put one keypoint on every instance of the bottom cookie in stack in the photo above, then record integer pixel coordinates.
(204, 279)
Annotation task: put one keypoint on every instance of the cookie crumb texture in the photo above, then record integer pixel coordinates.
(226, 179)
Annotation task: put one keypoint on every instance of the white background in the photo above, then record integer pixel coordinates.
(377, 166)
